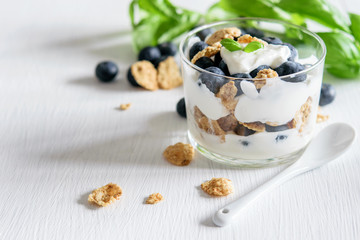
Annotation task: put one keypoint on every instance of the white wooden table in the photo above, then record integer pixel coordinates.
(62, 137)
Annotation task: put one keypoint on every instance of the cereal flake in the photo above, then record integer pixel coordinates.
(105, 195)
(180, 154)
(168, 76)
(145, 75)
(248, 39)
(154, 198)
(208, 125)
(207, 52)
(227, 95)
(256, 126)
(223, 33)
(125, 106)
(262, 75)
(228, 123)
(218, 187)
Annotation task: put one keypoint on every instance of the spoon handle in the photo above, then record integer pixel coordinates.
(225, 215)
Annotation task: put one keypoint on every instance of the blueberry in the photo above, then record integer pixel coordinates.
(215, 70)
(254, 32)
(159, 60)
(279, 128)
(181, 108)
(280, 138)
(272, 40)
(131, 78)
(217, 59)
(167, 49)
(150, 54)
(293, 51)
(204, 33)
(327, 94)
(204, 62)
(106, 71)
(238, 82)
(223, 66)
(289, 67)
(254, 72)
(212, 82)
(197, 47)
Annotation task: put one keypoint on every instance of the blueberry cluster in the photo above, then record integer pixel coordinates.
(155, 55)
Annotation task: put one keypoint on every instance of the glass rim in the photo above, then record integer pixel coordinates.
(217, 23)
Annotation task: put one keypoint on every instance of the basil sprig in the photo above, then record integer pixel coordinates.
(233, 45)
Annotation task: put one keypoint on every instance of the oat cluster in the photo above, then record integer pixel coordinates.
(218, 187)
(125, 106)
(154, 198)
(105, 195)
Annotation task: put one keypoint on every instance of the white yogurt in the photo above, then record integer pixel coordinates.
(243, 62)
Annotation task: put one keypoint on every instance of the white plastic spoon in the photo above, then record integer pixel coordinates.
(329, 144)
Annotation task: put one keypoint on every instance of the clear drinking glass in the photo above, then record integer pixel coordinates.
(258, 127)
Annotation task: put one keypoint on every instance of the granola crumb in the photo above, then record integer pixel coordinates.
(321, 118)
(180, 154)
(223, 33)
(260, 79)
(145, 75)
(248, 39)
(168, 76)
(207, 52)
(125, 106)
(154, 198)
(218, 187)
(105, 195)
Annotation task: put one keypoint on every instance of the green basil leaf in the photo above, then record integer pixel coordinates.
(355, 25)
(253, 46)
(318, 10)
(156, 21)
(231, 45)
(343, 56)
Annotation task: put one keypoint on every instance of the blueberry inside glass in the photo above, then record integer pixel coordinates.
(251, 91)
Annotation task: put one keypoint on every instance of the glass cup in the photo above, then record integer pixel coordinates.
(254, 122)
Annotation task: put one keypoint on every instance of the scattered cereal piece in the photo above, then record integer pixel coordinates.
(145, 75)
(154, 198)
(228, 123)
(223, 33)
(256, 126)
(321, 118)
(180, 154)
(218, 187)
(248, 39)
(168, 76)
(125, 106)
(227, 94)
(105, 195)
(207, 52)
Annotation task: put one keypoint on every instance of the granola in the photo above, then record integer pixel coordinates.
(218, 187)
(145, 75)
(180, 154)
(105, 195)
(168, 75)
(223, 33)
(154, 198)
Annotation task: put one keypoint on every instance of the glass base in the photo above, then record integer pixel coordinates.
(246, 163)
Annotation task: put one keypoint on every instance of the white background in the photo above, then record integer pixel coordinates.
(62, 137)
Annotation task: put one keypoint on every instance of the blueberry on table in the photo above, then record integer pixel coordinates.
(181, 108)
(327, 94)
(215, 70)
(290, 67)
(131, 78)
(254, 72)
(204, 33)
(272, 40)
(212, 82)
(167, 49)
(204, 62)
(150, 54)
(223, 66)
(106, 71)
(159, 60)
(197, 47)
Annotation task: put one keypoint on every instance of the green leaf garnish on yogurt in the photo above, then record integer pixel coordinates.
(253, 46)
(231, 45)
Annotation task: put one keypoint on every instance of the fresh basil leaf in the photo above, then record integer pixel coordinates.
(253, 46)
(231, 45)
(318, 10)
(216, 13)
(355, 25)
(343, 56)
(156, 21)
